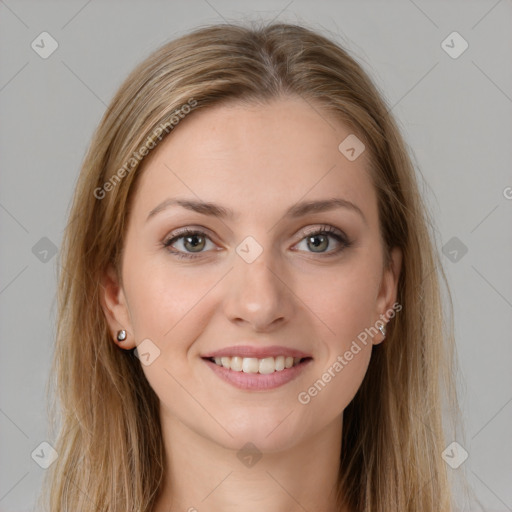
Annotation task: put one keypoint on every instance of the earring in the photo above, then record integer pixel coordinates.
(121, 335)
(382, 329)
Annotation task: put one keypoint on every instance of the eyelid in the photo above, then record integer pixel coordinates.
(327, 229)
(343, 241)
(180, 233)
(323, 228)
(202, 230)
(188, 230)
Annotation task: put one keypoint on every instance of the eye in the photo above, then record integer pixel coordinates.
(191, 241)
(319, 240)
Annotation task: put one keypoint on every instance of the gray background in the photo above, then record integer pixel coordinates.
(454, 113)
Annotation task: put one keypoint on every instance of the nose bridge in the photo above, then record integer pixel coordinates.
(257, 292)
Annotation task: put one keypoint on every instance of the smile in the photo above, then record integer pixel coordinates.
(263, 366)
(253, 374)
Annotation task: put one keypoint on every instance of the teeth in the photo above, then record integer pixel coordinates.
(253, 365)
(236, 364)
(249, 365)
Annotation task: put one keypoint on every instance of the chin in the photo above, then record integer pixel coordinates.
(269, 433)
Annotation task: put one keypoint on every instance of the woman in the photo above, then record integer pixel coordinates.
(250, 311)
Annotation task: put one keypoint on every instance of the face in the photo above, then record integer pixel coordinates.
(260, 274)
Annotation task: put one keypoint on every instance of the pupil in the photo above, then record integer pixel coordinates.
(318, 242)
(193, 241)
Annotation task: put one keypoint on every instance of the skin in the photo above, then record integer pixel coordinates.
(258, 161)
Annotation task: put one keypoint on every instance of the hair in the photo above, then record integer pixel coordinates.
(109, 440)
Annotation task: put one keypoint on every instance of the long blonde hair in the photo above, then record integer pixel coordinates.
(108, 438)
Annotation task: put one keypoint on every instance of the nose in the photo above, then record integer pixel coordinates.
(259, 294)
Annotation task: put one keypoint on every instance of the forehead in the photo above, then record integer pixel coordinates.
(256, 159)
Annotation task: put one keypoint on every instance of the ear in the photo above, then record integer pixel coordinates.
(115, 308)
(388, 290)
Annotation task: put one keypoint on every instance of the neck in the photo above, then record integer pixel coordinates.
(203, 475)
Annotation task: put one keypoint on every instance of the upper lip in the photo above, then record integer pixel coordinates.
(256, 352)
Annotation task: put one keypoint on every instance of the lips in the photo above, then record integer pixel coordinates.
(256, 368)
(256, 352)
(250, 381)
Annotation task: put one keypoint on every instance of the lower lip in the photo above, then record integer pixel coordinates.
(258, 381)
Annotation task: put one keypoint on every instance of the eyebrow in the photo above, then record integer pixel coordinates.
(295, 211)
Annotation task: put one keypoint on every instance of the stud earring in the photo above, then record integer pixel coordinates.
(382, 329)
(121, 335)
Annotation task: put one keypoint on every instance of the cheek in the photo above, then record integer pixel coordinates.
(171, 309)
(346, 300)
(333, 390)
(161, 296)
(347, 308)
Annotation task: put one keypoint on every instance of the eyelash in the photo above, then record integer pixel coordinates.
(324, 230)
